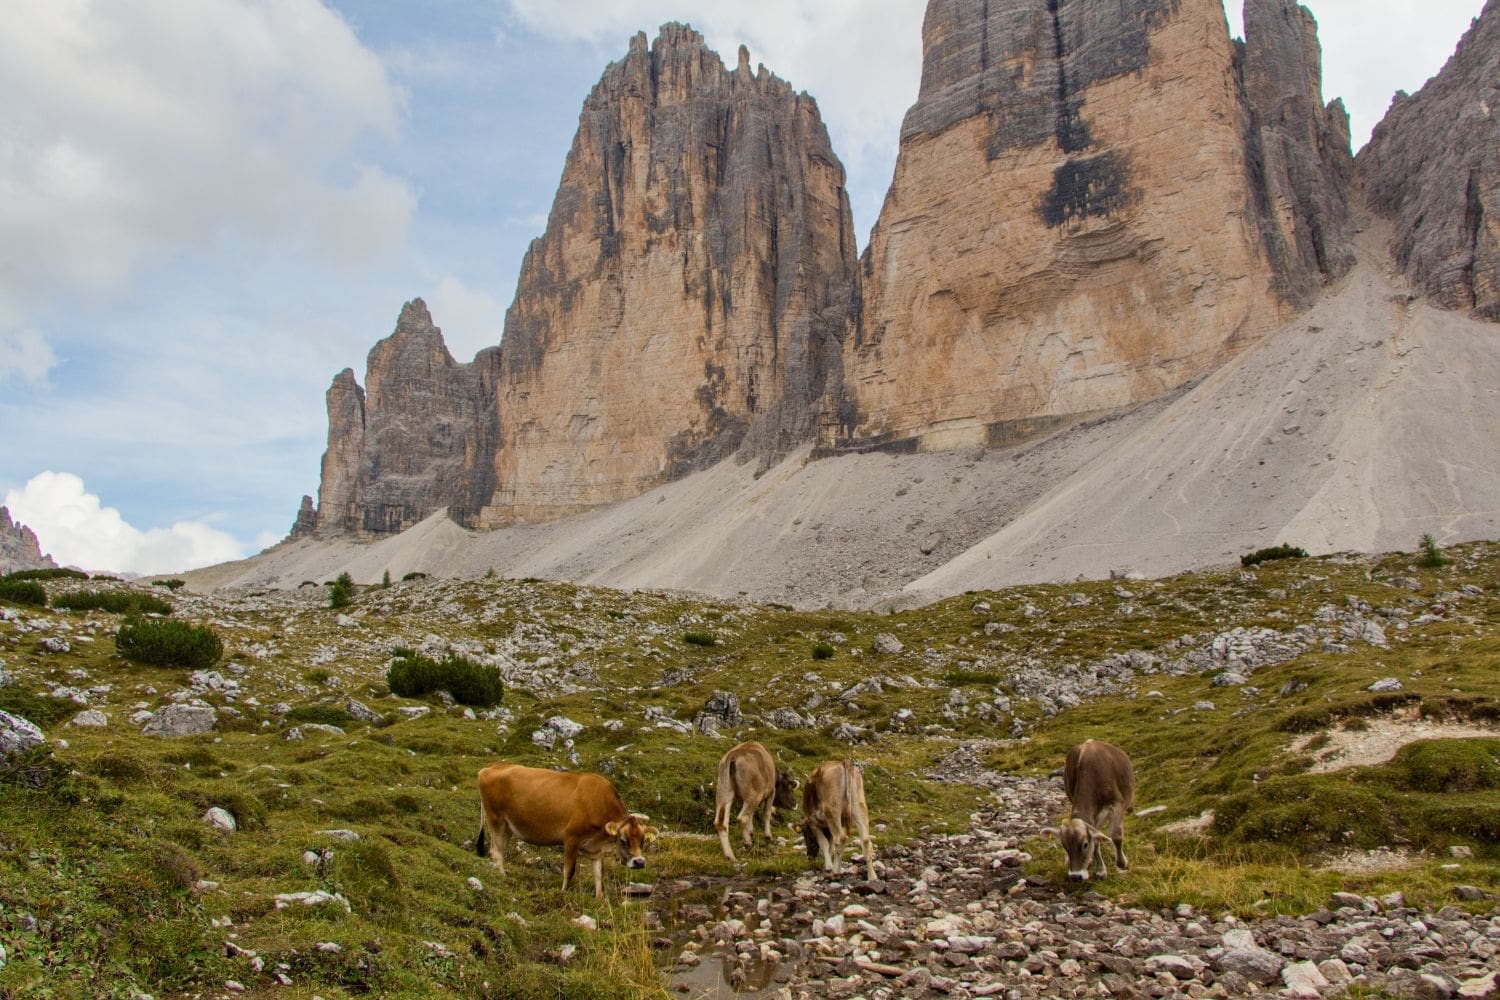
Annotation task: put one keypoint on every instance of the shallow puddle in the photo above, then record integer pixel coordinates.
(688, 905)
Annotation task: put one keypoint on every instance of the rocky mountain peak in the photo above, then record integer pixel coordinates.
(19, 547)
(1433, 166)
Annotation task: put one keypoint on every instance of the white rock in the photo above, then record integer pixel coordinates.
(348, 836)
(1303, 979)
(475, 884)
(1385, 685)
(319, 898)
(90, 719)
(220, 819)
(1175, 964)
(175, 721)
(328, 947)
(344, 621)
(586, 922)
(17, 734)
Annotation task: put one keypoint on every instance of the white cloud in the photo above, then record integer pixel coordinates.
(78, 530)
(471, 320)
(25, 354)
(140, 130)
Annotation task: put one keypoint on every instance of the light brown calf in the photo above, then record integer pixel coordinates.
(748, 772)
(833, 800)
(1100, 784)
(582, 812)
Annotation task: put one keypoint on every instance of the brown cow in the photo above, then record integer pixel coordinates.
(582, 812)
(1101, 785)
(833, 800)
(749, 773)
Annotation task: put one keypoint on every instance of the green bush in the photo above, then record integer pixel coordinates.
(1432, 556)
(46, 574)
(23, 592)
(1273, 553)
(168, 643)
(413, 575)
(328, 715)
(700, 639)
(120, 602)
(385, 581)
(173, 584)
(415, 676)
(341, 594)
(822, 651)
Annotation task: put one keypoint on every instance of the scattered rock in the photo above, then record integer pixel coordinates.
(220, 819)
(175, 721)
(1385, 686)
(90, 719)
(360, 712)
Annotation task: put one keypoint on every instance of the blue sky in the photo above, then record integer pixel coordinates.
(209, 207)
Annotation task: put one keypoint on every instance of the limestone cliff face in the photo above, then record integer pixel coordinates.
(690, 294)
(1301, 149)
(1075, 223)
(419, 437)
(19, 548)
(1433, 165)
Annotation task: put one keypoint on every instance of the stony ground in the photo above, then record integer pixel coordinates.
(956, 916)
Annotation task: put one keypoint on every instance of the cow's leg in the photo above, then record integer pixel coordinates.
(599, 877)
(824, 847)
(500, 844)
(770, 808)
(837, 838)
(1099, 858)
(570, 862)
(723, 807)
(862, 824)
(1117, 831)
(747, 822)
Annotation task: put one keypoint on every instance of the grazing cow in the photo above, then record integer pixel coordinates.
(833, 800)
(582, 812)
(749, 773)
(1101, 785)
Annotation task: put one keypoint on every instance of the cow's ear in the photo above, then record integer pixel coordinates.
(612, 829)
(651, 834)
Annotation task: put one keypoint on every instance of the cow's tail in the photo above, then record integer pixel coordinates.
(481, 842)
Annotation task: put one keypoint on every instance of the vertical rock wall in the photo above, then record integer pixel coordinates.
(1070, 228)
(1301, 149)
(420, 437)
(690, 294)
(1433, 165)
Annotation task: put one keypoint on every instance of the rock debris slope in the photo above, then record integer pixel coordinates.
(1433, 165)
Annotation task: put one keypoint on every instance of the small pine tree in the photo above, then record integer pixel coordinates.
(342, 592)
(385, 581)
(1432, 556)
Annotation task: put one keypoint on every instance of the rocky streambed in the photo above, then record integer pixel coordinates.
(955, 916)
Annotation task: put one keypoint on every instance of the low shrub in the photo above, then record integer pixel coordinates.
(700, 639)
(415, 676)
(341, 594)
(413, 575)
(23, 592)
(46, 574)
(822, 651)
(328, 715)
(173, 584)
(1272, 554)
(1309, 813)
(168, 643)
(120, 602)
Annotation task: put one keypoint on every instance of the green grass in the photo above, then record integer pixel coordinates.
(119, 912)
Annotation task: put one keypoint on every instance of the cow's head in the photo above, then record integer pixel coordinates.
(786, 790)
(631, 836)
(1078, 840)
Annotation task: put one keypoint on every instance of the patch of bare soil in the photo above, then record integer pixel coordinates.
(1379, 741)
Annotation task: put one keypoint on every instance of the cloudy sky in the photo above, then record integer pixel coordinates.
(209, 207)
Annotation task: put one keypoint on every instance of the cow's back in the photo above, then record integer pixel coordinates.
(543, 805)
(751, 770)
(1097, 776)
